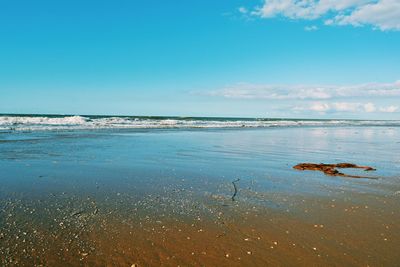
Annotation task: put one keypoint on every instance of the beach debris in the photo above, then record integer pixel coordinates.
(235, 188)
(331, 169)
(221, 235)
(76, 213)
(96, 210)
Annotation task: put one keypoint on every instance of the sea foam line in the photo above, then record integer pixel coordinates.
(32, 123)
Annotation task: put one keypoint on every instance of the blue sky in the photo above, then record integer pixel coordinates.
(278, 58)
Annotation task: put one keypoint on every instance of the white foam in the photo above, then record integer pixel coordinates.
(34, 123)
(14, 120)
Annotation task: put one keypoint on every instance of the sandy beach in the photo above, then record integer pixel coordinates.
(164, 197)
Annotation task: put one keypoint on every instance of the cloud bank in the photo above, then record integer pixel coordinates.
(301, 92)
(380, 14)
(320, 98)
(323, 107)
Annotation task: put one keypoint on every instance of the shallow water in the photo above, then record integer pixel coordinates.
(107, 197)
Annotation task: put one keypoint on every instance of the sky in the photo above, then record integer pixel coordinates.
(261, 58)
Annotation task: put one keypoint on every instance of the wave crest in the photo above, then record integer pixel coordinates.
(32, 123)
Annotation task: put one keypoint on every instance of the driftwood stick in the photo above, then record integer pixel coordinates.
(235, 188)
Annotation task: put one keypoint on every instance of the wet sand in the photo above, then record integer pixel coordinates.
(310, 232)
(79, 208)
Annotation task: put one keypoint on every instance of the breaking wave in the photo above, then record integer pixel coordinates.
(37, 123)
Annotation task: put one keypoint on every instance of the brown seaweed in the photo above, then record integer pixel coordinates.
(331, 169)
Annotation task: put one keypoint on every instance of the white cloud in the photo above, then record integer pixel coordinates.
(242, 10)
(389, 109)
(346, 107)
(305, 9)
(381, 14)
(323, 107)
(352, 107)
(369, 107)
(384, 15)
(320, 98)
(302, 92)
(320, 107)
(310, 28)
(257, 91)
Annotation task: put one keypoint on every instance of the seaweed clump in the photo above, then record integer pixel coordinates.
(332, 169)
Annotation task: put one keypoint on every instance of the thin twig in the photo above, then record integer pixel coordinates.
(235, 188)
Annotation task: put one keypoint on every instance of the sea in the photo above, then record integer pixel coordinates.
(151, 191)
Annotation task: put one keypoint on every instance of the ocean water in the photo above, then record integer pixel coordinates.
(85, 150)
(67, 176)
